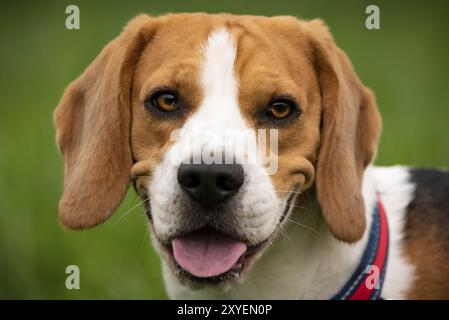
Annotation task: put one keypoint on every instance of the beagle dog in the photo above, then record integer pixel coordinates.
(324, 224)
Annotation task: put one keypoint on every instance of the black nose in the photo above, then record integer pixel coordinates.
(210, 184)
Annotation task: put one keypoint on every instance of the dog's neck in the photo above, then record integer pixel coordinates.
(307, 264)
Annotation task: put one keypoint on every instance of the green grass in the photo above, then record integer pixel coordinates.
(405, 63)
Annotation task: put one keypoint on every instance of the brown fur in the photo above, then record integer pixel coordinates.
(92, 122)
(426, 234)
(429, 255)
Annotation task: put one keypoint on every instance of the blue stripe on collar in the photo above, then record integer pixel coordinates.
(367, 280)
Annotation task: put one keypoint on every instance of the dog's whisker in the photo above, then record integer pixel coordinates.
(130, 210)
(285, 235)
(301, 207)
(140, 175)
(156, 275)
(303, 225)
(288, 191)
(145, 239)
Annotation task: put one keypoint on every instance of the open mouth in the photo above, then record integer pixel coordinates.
(207, 255)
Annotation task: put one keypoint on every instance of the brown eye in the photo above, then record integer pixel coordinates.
(280, 109)
(164, 101)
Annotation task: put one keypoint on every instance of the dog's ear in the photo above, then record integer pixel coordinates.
(92, 129)
(350, 130)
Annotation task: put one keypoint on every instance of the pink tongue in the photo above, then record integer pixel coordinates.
(207, 253)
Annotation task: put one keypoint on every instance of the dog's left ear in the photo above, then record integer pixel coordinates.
(93, 123)
(349, 135)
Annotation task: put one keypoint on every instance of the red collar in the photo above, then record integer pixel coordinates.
(367, 281)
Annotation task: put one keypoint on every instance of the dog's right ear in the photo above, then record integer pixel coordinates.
(92, 129)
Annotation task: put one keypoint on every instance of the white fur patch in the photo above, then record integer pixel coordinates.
(219, 109)
(254, 211)
(396, 192)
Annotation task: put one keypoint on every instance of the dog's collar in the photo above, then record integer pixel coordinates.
(367, 281)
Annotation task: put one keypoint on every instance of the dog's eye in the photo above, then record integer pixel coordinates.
(163, 100)
(280, 109)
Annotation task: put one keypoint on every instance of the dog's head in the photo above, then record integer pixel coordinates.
(168, 103)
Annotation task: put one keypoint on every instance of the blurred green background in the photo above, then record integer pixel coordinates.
(406, 63)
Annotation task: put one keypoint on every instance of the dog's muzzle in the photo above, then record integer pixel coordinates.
(206, 252)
